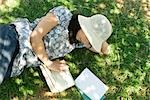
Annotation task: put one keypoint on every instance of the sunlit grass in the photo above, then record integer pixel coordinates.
(126, 70)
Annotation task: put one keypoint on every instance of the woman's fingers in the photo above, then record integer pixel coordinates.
(63, 61)
(63, 67)
(59, 65)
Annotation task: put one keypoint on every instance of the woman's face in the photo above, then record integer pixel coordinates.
(83, 39)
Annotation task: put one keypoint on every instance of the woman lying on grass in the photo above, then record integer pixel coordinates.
(24, 44)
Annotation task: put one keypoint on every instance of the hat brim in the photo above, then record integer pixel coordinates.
(86, 26)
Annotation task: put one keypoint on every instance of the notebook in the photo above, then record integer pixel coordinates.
(57, 81)
(90, 85)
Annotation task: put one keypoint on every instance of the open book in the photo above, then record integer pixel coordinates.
(57, 81)
(90, 86)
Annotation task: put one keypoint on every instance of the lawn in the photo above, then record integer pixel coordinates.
(126, 70)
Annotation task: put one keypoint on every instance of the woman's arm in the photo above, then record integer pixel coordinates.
(36, 39)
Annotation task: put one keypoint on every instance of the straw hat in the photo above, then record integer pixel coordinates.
(97, 28)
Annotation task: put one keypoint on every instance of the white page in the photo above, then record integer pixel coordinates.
(57, 81)
(91, 85)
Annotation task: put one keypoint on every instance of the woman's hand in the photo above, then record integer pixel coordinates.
(104, 49)
(57, 65)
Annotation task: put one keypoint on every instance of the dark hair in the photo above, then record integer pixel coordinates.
(73, 28)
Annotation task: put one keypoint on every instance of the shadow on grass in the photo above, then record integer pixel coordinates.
(125, 70)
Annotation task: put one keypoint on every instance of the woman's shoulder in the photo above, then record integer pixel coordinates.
(62, 13)
(60, 9)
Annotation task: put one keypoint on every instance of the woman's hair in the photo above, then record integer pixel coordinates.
(73, 28)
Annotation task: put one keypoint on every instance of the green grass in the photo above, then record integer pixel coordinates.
(126, 70)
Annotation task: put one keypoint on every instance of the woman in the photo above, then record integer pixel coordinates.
(55, 35)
